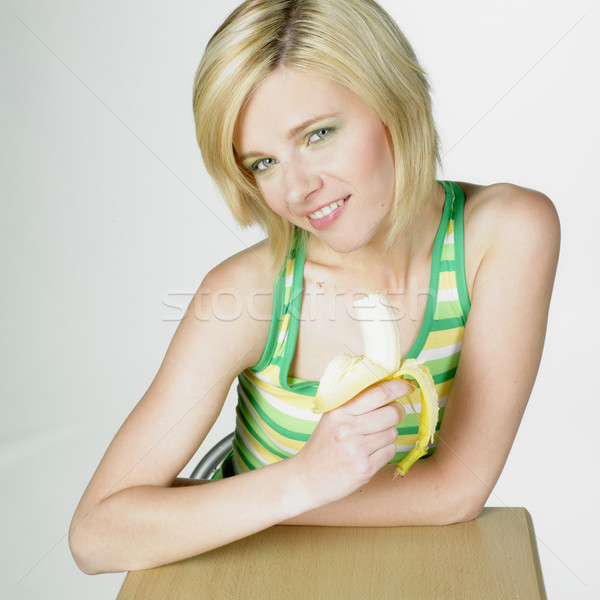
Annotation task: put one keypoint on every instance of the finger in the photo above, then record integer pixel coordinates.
(378, 395)
(383, 455)
(368, 444)
(401, 411)
(379, 419)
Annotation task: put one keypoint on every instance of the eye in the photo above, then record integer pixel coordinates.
(320, 134)
(262, 165)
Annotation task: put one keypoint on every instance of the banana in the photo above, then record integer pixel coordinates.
(346, 375)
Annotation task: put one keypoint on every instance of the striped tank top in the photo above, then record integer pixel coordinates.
(274, 410)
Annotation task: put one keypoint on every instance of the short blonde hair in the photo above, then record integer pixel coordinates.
(353, 42)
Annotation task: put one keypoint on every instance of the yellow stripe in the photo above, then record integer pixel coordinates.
(281, 439)
(266, 455)
(447, 337)
(289, 268)
(405, 440)
(447, 280)
(287, 397)
(271, 372)
(443, 389)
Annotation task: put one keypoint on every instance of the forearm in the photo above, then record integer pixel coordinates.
(147, 526)
(423, 497)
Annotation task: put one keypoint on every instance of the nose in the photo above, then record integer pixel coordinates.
(300, 180)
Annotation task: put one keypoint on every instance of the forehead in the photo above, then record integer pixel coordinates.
(288, 98)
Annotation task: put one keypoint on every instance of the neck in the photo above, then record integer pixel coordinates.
(381, 268)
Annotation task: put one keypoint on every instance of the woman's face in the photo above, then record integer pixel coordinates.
(321, 157)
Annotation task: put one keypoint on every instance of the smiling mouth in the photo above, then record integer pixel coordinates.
(327, 210)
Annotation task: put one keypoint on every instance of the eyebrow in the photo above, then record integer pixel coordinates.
(292, 133)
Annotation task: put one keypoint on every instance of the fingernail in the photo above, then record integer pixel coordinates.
(413, 384)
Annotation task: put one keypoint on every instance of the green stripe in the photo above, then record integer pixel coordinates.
(257, 433)
(279, 350)
(448, 310)
(445, 376)
(434, 277)
(293, 309)
(443, 364)
(459, 239)
(265, 359)
(218, 474)
(304, 387)
(296, 429)
(247, 458)
(399, 456)
(449, 323)
(447, 255)
(407, 430)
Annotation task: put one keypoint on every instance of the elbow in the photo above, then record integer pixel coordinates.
(461, 497)
(85, 549)
(460, 506)
(80, 550)
(85, 559)
(468, 510)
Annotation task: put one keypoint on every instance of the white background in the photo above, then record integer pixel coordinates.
(107, 214)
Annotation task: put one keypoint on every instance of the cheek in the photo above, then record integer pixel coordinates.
(271, 194)
(375, 163)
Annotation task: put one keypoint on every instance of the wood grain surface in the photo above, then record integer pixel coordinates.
(493, 557)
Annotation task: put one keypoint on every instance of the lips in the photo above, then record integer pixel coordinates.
(326, 210)
(325, 216)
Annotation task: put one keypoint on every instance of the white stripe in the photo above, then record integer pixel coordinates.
(260, 375)
(408, 447)
(447, 295)
(236, 465)
(442, 352)
(304, 414)
(409, 409)
(281, 336)
(290, 409)
(289, 280)
(267, 435)
(290, 451)
(404, 447)
(249, 447)
(449, 239)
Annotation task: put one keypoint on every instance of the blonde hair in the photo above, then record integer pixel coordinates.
(353, 42)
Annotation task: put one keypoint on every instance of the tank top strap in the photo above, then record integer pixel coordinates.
(287, 301)
(291, 279)
(453, 250)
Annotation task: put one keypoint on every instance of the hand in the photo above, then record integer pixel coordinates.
(351, 443)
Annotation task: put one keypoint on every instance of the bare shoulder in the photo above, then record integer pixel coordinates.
(504, 210)
(236, 297)
(506, 220)
(245, 271)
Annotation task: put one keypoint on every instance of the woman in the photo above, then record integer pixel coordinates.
(314, 118)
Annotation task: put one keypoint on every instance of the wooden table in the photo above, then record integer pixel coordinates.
(491, 558)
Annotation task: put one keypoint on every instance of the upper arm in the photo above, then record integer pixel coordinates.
(503, 338)
(219, 336)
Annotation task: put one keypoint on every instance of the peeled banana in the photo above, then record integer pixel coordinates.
(346, 375)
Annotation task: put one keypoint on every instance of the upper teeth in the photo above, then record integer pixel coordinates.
(323, 212)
